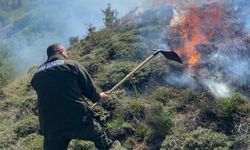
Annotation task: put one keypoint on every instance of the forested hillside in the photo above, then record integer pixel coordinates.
(163, 106)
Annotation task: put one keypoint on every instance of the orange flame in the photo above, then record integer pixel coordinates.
(197, 26)
(192, 35)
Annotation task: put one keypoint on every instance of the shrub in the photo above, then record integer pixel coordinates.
(204, 139)
(27, 107)
(9, 104)
(7, 140)
(113, 74)
(82, 145)
(187, 97)
(229, 110)
(143, 131)
(242, 132)
(227, 107)
(161, 94)
(26, 126)
(118, 128)
(231, 106)
(160, 123)
(134, 109)
(5, 76)
(129, 143)
(207, 103)
(158, 119)
(32, 142)
(110, 16)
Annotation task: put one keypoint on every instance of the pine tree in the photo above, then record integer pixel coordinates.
(110, 16)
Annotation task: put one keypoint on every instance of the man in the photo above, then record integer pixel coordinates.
(63, 112)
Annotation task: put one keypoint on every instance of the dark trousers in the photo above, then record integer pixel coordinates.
(92, 131)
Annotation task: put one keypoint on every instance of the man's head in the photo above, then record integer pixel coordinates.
(56, 49)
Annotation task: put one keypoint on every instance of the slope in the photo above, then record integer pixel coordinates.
(147, 112)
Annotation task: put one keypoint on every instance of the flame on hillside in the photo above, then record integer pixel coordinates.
(196, 26)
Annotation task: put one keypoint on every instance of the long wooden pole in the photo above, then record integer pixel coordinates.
(128, 76)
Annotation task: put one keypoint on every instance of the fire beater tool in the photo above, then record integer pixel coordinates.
(167, 53)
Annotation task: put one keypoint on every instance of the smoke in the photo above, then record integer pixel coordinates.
(211, 36)
(37, 24)
(219, 56)
(219, 89)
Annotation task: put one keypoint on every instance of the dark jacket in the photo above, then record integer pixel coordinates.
(60, 85)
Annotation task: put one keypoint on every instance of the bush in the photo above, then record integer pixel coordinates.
(27, 107)
(32, 142)
(134, 109)
(230, 110)
(160, 123)
(82, 145)
(207, 103)
(6, 140)
(5, 76)
(113, 74)
(26, 126)
(118, 128)
(161, 94)
(204, 139)
(110, 16)
(129, 143)
(143, 131)
(231, 106)
(242, 132)
(187, 97)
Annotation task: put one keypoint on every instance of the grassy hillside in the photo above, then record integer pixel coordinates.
(145, 113)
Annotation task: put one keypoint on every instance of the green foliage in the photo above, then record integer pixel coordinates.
(32, 142)
(158, 119)
(26, 126)
(6, 68)
(186, 98)
(161, 94)
(27, 107)
(93, 37)
(109, 55)
(119, 148)
(113, 75)
(116, 45)
(7, 140)
(118, 128)
(110, 16)
(9, 104)
(133, 109)
(82, 145)
(129, 143)
(4, 76)
(231, 106)
(242, 132)
(208, 104)
(227, 107)
(160, 122)
(222, 114)
(198, 139)
(143, 131)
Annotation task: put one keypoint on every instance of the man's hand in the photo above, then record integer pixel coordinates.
(104, 96)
